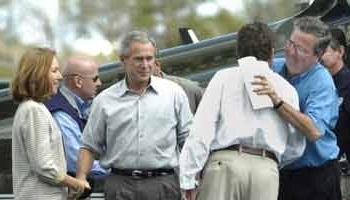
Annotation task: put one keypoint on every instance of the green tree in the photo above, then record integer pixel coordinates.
(112, 18)
(259, 9)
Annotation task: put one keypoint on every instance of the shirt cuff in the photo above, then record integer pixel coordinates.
(188, 182)
(60, 177)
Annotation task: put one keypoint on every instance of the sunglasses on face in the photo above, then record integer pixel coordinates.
(94, 79)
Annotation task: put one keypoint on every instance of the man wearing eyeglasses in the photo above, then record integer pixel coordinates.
(315, 175)
(70, 108)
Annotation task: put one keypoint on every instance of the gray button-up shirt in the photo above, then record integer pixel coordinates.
(133, 131)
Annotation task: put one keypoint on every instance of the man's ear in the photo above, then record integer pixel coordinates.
(78, 82)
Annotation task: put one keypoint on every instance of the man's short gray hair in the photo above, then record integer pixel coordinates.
(314, 26)
(135, 36)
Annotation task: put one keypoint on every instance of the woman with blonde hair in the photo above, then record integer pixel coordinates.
(38, 161)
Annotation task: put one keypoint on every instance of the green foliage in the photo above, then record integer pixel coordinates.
(5, 72)
(259, 9)
(110, 19)
(161, 18)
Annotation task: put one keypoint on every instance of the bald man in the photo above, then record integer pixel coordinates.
(70, 108)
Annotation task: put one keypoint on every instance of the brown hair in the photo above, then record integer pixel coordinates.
(255, 39)
(32, 78)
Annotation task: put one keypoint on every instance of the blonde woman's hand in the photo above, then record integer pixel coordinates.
(78, 189)
(80, 185)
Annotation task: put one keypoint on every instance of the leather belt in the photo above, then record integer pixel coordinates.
(137, 173)
(252, 151)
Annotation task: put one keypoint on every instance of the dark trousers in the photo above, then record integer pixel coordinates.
(119, 187)
(344, 145)
(311, 183)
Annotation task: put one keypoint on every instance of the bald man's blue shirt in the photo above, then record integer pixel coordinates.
(72, 139)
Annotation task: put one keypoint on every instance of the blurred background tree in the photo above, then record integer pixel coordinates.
(86, 26)
(259, 9)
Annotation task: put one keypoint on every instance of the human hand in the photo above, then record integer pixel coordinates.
(189, 194)
(84, 184)
(265, 88)
(79, 187)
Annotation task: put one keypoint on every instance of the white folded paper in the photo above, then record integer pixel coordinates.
(251, 67)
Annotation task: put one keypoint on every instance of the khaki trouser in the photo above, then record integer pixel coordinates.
(233, 175)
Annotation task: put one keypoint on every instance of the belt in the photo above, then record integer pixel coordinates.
(137, 173)
(252, 151)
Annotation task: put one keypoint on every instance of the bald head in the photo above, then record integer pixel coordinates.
(81, 77)
(80, 65)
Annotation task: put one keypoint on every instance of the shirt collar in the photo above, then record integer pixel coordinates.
(81, 104)
(297, 78)
(153, 86)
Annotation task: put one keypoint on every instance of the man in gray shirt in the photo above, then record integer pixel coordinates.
(137, 127)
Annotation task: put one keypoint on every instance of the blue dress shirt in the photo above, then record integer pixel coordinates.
(72, 137)
(318, 99)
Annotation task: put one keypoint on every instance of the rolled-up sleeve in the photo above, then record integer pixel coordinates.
(322, 105)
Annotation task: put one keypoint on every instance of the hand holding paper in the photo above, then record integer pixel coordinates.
(251, 67)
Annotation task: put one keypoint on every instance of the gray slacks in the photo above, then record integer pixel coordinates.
(119, 187)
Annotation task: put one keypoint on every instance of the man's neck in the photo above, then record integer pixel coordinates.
(138, 88)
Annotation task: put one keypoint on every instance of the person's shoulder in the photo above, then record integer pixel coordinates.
(346, 71)
(166, 87)
(113, 89)
(179, 79)
(284, 86)
(32, 107)
(31, 104)
(163, 82)
(229, 72)
(184, 82)
(321, 72)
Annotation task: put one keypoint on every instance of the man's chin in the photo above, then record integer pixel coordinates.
(145, 78)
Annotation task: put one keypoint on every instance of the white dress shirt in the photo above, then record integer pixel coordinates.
(225, 117)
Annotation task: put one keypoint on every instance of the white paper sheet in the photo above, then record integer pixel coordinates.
(251, 67)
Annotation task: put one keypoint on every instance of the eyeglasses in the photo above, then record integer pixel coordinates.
(298, 49)
(94, 79)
